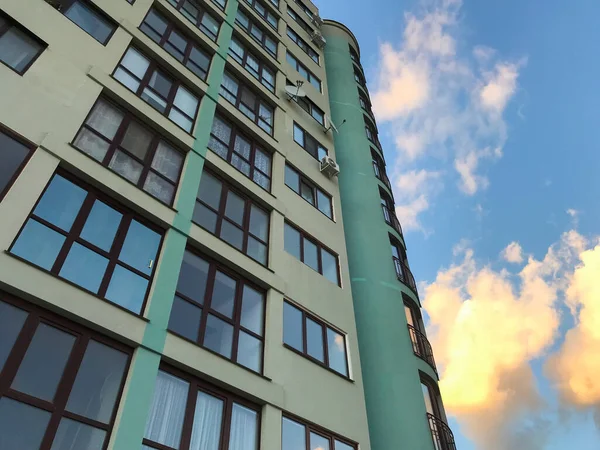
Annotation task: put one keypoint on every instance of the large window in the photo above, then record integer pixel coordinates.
(302, 70)
(233, 217)
(307, 105)
(309, 191)
(311, 252)
(440, 431)
(306, 27)
(265, 40)
(303, 45)
(188, 414)
(309, 143)
(83, 238)
(250, 104)
(89, 18)
(220, 311)
(60, 384)
(241, 152)
(359, 77)
(314, 339)
(13, 157)
(198, 15)
(18, 47)
(177, 43)
(263, 11)
(354, 55)
(118, 141)
(416, 330)
(296, 435)
(401, 264)
(259, 70)
(157, 88)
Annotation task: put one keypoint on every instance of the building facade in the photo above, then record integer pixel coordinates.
(176, 270)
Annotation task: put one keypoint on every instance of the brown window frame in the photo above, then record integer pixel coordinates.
(235, 321)
(263, 41)
(73, 237)
(254, 146)
(202, 11)
(318, 430)
(63, 5)
(304, 46)
(226, 187)
(265, 16)
(308, 106)
(163, 42)
(12, 23)
(115, 145)
(308, 137)
(305, 26)
(301, 68)
(57, 407)
(262, 66)
(30, 146)
(303, 179)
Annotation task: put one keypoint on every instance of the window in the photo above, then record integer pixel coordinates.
(387, 206)
(378, 164)
(311, 252)
(187, 413)
(416, 330)
(220, 311)
(311, 337)
(83, 238)
(264, 12)
(371, 133)
(309, 143)
(296, 435)
(259, 70)
(89, 18)
(258, 34)
(307, 105)
(304, 8)
(275, 2)
(198, 16)
(233, 217)
(359, 78)
(242, 153)
(18, 47)
(182, 48)
(59, 382)
(13, 157)
(364, 101)
(303, 45)
(308, 191)
(441, 433)
(354, 55)
(118, 141)
(302, 70)
(401, 264)
(306, 27)
(250, 104)
(220, 3)
(153, 85)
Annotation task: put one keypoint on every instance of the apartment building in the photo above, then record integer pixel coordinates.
(181, 265)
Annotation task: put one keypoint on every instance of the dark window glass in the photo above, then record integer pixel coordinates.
(89, 19)
(11, 323)
(305, 26)
(306, 74)
(307, 105)
(265, 39)
(293, 334)
(354, 55)
(309, 191)
(303, 44)
(231, 319)
(292, 241)
(198, 16)
(309, 143)
(265, 12)
(67, 374)
(13, 156)
(336, 351)
(18, 47)
(259, 70)
(55, 241)
(243, 154)
(314, 340)
(294, 436)
(118, 141)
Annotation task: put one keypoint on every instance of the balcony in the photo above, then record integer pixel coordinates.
(381, 175)
(443, 439)
(391, 219)
(405, 275)
(421, 346)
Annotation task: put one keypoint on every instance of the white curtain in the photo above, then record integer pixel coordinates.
(167, 411)
(207, 423)
(243, 433)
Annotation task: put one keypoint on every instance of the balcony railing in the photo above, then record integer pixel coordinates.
(405, 275)
(443, 439)
(391, 219)
(381, 175)
(421, 346)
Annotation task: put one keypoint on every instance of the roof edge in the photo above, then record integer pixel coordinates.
(340, 25)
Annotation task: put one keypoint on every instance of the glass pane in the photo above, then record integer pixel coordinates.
(127, 79)
(177, 41)
(318, 442)
(242, 147)
(160, 84)
(298, 135)
(341, 446)
(105, 119)
(140, 247)
(167, 161)
(159, 187)
(38, 244)
(156, 21)
(257, 250)
(292, 179)
(324, 203)
(221, 130)
(336, 346)
(291, 241)
(223, 297)
(165, 419)
(186, 101)
(11, 322)
(185, 319)
(292, 327)
(17, 49)
(210, 24)
(126, 166)
(249, 351)
(244, 428)
(427, 398)
(208, 417)
(137, 139)
(22, 426)
(135, 62)
(44, 362)
(98, 382)
(154, 100)
(252, 310)
(293, 435)
(210, 190)
(127, 289)
(262, 161)
(310, 255)
(307, 193)
(330, 266)
(218, 336)
(89, 21)
(180, 119)
(232, 234)
(200, 58)
(234, 209)
(76, 435)
(259, 223)
(314, 340)
(409, 316)
(205, 217)
(101, 225)
(84, 267)
(60, 203)
(91, 144)
(240, 164)
(192, 277)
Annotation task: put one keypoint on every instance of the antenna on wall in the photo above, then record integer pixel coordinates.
(329, 125)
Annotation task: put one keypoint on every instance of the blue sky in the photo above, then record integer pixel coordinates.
(488, 115)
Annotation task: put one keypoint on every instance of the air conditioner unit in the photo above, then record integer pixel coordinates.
(318, 39)
(317, 20)
(329, 167)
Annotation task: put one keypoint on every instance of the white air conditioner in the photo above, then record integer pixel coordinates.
(318, 39)
(317, 20)
(329, 167)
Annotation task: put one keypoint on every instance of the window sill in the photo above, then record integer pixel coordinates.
(318, 363)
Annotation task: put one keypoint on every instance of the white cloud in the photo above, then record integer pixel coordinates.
(412, 192)
(408, 213)
(500, 86)
(513, 253)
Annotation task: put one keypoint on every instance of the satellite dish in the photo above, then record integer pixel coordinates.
(294, 92)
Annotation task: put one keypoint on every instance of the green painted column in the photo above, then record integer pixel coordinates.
(395, 406)
(131, 422)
